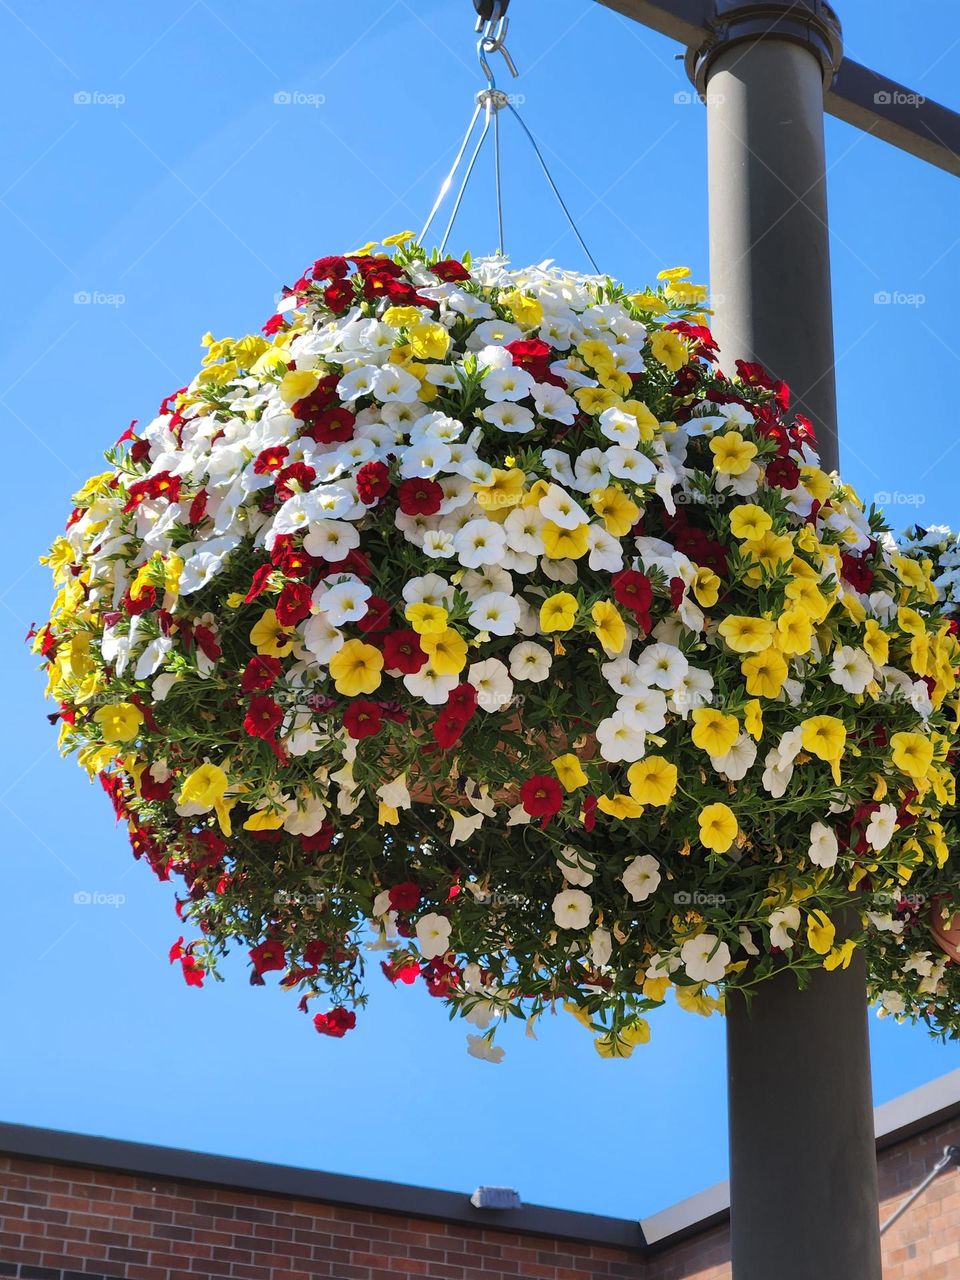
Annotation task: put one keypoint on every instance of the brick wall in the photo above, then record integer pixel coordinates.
(64, 1222)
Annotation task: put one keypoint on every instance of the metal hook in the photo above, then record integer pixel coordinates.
(492, 40)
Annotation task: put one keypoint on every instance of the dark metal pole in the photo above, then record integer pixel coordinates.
(762, 75)
(804, 1199)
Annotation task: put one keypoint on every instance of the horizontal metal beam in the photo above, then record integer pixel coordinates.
(861, 97)
(886, 109)
(686, 21)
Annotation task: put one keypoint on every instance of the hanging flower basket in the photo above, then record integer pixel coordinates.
(472, 622)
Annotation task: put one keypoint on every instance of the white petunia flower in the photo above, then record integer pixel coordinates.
(851, 669)
(480, 542)
(880, 828)
(507, 384)
(559, 507)
(620, 427)
(606, 554)
(429, 686)
(495, 612)
(507, 416)
(783, 927)
(591, 471)
(393, 383)
(484, 1049)
(530, 661)
(644, 708)
(641, 877)
(738, 760)
(422, 461)
(430, 589)
(522, 529)
(630, 464)
(824, 845)
(342, 599)
(321, 637)
(558, 464)
(433, 935)
(491, 679)
(438, 544)
(620, 740)
(705, 958)
(662, 665)
(601, 948)
(572, 909)
(575, 867)
(553, 402)
(331, 540)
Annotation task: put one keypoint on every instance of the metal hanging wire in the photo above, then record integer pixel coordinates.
(492, 27)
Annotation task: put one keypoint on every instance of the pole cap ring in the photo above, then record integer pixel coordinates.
(811, 23)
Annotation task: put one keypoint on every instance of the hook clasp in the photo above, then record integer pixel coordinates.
(493, 35)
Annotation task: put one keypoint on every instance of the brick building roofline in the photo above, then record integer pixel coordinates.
(915, 1112)
(912, 1113)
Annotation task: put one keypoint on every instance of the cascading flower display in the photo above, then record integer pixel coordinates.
(470, 619)
(914, 938)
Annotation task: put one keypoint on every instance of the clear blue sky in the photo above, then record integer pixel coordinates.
(194, 199)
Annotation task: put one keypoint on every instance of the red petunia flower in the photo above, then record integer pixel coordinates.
(268, 956)
(314, 952)
(320, 841)
(263, 718)
(333, 267)
(450, 270)
(541, 796)
(269, 460)
(405, 896)
(330, 426)
(198, 507)
(294, 479)
(377, 617)
(338, 296)
(405, 971)
(259, 674)
(633, 590)
(783, 472)
(420, 497)
(336, 1023)
(373, 482)
(293, 603)
(402, 652)
(162, 485)
(362, 719)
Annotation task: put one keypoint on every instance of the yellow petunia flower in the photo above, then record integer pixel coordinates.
(912, 754)
(876, 643)
(706, 587)
(714, 732)
(794, 631)
(770, 549)
(653, 780)
(610, 628)
(618, 512)
(356, 668)
(840, 957)
(426, 619)
(205, 789)
(298, 383)
(447, 652)
(747, 635)
(820, 932)
(824, 737)
(565, 544)
(428, 340)
(669, 349)
(270, 637)
(119, 721)
(619, 806)
(718, 827)
(732, 454)
(753, 719)
(596, 400)
(569, 772)
(749, 522)
(527, 311)
(765, 673)
(620, 1044)
(558, 612)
